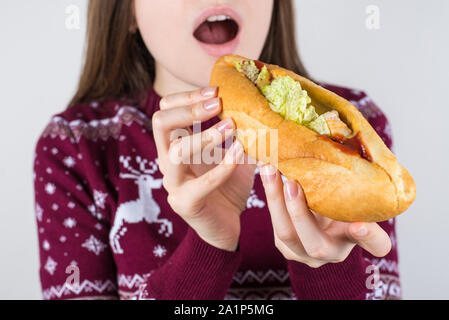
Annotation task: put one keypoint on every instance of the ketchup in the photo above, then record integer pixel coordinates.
(259, 64)
(353, 145)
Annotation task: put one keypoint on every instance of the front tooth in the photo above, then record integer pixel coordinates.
(212, 19)
(221, 18)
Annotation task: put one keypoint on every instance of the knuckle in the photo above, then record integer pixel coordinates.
(288, 255)
(175, 150)
(316, 253)
(166, 184)
(158, 120)
(210, 179)
(180, 207)
(277, 243)
(343, 254)
(191, 96)
(163, 103)
(297, 212)
(285, 253)
(184, 209)
(171, 199)
(162, 169)
(285, 236)
(319, 251)
(210, 136)
(195, 111)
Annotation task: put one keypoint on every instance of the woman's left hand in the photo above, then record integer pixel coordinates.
(315, 240)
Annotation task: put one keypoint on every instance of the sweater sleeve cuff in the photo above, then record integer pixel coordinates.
(334, 281)
(196, 270)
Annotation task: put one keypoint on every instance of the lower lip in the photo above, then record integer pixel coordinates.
(218, 50)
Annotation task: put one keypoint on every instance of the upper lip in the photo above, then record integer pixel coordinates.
(216, 11)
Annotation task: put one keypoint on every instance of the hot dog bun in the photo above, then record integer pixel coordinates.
(340, 185)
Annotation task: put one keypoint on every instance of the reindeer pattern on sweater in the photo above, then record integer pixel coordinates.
(101, 208)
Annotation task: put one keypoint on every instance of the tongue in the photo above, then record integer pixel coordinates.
(216, 32)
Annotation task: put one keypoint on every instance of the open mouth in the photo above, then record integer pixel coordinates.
(217, 29)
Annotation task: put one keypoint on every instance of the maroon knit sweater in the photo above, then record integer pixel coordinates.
(102, 214)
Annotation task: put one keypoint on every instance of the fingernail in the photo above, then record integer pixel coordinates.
(212, 104)
(361, 232)
(290, 190)
(209, 92)
(224, 125)
(267, 173)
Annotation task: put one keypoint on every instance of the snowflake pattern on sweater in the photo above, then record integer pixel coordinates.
(101, 207)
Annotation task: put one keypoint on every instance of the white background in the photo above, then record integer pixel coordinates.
(403, 66)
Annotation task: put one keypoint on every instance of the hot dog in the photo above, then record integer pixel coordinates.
(323, 141)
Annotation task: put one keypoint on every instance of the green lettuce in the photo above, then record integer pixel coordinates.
(319, 125)
(237, 65)
(263, 79)
(287, 98)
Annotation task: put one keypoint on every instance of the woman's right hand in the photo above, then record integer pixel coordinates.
(209, 197)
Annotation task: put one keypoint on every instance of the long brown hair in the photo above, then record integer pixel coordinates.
(119, 66)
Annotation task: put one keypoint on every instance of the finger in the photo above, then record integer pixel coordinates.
(200, 148)
(208, 182)
(187, 98)
(164, 121)
(282, 223)
(371, 237)
(272, 184)
(316, 243)
(183, 148)
(289, 254)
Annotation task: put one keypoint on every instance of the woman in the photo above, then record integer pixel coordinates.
(117, 218)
